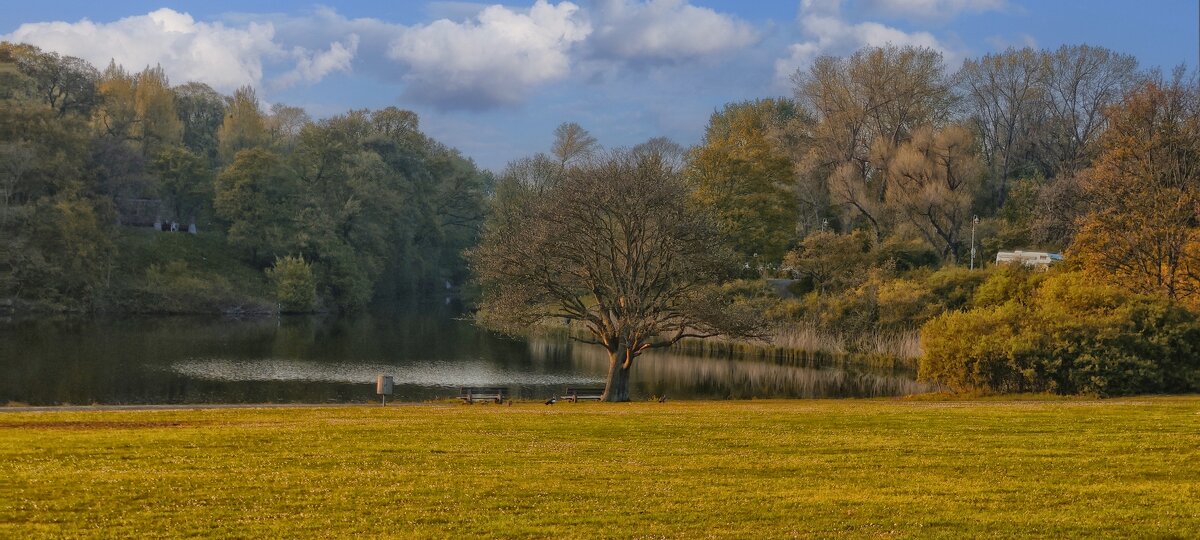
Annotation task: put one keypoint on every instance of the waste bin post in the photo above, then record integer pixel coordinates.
(383, 387)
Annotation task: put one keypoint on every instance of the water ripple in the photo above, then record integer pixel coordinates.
(433, 373)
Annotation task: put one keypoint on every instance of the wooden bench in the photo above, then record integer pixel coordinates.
(471, 394)
(575, 395)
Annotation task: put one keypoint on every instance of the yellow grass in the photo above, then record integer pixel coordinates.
(748, 469)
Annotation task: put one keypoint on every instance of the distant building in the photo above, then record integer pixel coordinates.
(1037, 259)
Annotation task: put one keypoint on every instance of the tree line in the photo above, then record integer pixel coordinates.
(363, 202)
(877, 186)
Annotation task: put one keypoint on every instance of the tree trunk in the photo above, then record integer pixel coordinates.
(617, 388)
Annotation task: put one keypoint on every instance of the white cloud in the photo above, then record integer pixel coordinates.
(933, 10)
(494, 58)
(665, 31)
(474, 57)
(314, 66)
(221, 56)
(829, 33)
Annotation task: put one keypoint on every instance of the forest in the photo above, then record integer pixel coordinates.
(290, 213)
(863, 212)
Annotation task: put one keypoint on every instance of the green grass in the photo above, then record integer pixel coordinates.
(205, 252)
(748, 469)
(214, 279)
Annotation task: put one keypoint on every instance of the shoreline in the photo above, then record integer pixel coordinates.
(915, 399)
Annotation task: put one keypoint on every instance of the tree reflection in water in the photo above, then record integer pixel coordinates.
(430, 353)
(669, 373)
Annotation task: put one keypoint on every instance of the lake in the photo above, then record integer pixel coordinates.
(430, 352)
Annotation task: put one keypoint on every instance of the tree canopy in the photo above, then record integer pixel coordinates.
(612, 248)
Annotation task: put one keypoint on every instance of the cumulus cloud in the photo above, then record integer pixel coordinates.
(495, 58)
(314, 66)
(222, 56)
(188, 50)
(325, 28)
(933, 10)
(829, 33)
(665, 31)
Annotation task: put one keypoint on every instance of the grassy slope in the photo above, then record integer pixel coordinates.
(750, 469)
(208, 257)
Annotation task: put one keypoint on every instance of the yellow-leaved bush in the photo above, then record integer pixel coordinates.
(1063, 333)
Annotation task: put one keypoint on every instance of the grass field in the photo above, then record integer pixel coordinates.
(749, 469)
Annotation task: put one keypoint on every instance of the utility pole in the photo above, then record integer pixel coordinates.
(974, 222)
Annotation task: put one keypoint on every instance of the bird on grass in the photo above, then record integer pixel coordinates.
(552, 400)
(662, 399)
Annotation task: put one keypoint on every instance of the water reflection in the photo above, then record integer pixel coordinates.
(330, 359)
(433, 373)
(659, 373)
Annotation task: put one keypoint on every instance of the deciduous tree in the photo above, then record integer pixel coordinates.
(866, 106)
(1003, 93)
(934, 179)
(614, 248)
(572, 142)
(244, 125)
(117, 115)
(1143, 232)
(257, 196)
(745, 180)
(185, 181)
(1082, 81)
(158, 125)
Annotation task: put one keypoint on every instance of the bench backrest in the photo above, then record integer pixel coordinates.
(491, 391)
(589, 391)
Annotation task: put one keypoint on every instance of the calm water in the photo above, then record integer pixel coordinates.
(329, 359)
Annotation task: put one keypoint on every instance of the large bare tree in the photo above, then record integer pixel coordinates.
(1081, 83)
(1002, 95)
(613, 248)
(865, 107)
(934, 178)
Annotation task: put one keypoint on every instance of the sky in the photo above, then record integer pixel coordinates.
(494, 80)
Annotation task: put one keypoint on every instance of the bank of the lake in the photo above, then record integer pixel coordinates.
(740, 469)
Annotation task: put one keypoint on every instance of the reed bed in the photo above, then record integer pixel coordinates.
(793, 342)
(803, 342)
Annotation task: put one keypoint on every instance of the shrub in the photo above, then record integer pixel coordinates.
(295, 284)
(904, 304)
(954, 286)
(1005, 283)
(831, 261)
(176, 287)
(906, 254)
(971, 351)
(1065, 334)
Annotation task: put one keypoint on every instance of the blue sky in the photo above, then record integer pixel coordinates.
(494, 80)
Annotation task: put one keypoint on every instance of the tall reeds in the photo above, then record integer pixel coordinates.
(799, 342)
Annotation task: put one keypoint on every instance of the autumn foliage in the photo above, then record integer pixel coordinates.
(1143, 232)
